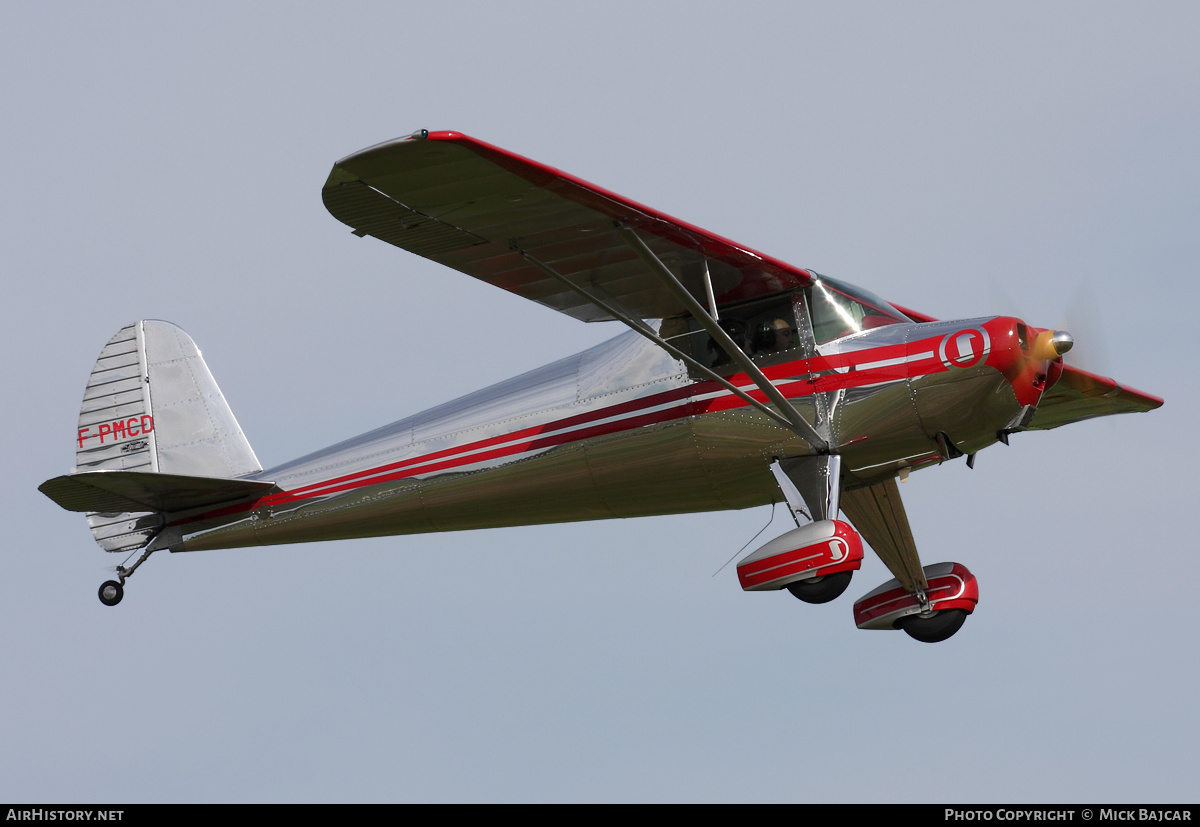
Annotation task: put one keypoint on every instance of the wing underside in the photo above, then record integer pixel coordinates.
(1079, 395)
(487, 212)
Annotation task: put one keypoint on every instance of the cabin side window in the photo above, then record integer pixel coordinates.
(765, 330)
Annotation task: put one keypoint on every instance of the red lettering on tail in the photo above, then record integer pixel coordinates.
(118, 430)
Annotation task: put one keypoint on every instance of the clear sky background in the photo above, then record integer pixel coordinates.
(165, 161)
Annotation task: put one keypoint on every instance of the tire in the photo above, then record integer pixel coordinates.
(821, 589)
(111, 592)
(933, 629)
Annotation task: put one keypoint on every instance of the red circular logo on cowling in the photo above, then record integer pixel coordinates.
(965, 348)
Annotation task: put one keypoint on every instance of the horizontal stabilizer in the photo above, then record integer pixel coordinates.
(139, 491)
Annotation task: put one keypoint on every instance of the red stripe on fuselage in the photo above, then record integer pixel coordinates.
(793, 377)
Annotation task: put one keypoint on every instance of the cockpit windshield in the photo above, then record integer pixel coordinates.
(839, 310)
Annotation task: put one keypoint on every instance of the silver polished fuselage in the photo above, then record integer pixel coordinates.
(622, 430)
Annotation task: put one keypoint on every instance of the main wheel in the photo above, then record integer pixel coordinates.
(111, 593)
(821, 589)
(935, 628)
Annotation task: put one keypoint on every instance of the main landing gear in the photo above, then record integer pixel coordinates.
(814, 562)
(822, 588)
(111, 591)
(930, 616)
(936, 627)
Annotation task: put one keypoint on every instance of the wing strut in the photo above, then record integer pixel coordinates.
(614, 308)
(708, 291)
(795, 421)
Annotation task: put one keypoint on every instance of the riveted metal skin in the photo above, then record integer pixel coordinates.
(837, 390)
(620, 431)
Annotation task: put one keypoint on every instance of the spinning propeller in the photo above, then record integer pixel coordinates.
(1086, 340)
(1051, 344)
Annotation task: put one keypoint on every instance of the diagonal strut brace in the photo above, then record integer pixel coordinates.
(796, 422)
(614, 308)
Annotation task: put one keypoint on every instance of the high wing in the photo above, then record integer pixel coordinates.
(1079, 395)
(495, 216)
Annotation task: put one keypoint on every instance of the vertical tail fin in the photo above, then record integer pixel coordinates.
(151, 405)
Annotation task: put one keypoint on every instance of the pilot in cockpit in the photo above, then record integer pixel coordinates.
(773, 336)
(738, 331)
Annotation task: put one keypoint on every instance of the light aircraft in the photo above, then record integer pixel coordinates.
(742, 381)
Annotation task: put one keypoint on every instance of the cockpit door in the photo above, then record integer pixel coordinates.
(822, 402)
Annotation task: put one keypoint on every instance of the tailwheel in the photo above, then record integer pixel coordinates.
(821, 589)
(936, 627)
(111, 593)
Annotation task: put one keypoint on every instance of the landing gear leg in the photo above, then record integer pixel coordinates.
(111, 591)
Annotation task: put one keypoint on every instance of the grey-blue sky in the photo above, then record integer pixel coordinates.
(166, 163)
